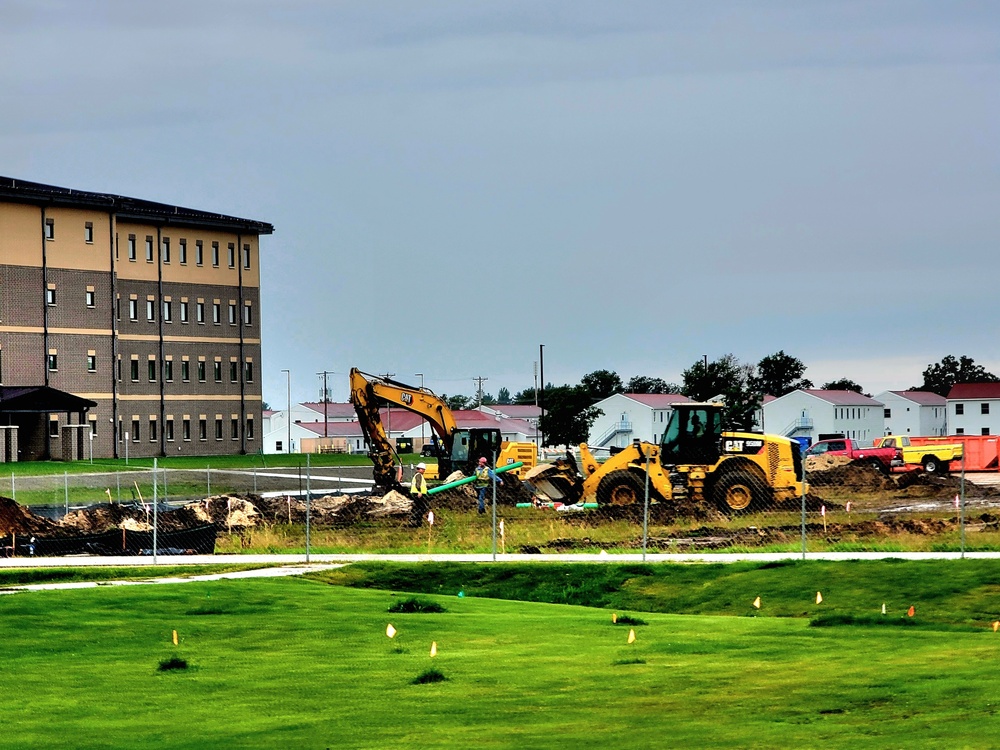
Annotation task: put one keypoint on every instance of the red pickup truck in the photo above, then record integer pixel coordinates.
(882, 459)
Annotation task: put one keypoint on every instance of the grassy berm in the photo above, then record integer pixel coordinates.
(302, 663)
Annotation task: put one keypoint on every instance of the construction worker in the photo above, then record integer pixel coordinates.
(418, 494)
(484, 474)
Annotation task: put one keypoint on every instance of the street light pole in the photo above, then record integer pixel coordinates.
(288, 416)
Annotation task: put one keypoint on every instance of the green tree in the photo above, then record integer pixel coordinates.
(644, 384)
(734, 381)
(527, 396)
(455, 402)
(844, 384)
(601, 384)
(503, 396)
(569, 414)
(265, 406)
(940, 377)
(779, 373)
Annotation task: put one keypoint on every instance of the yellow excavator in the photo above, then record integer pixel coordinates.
(456, 448)
(736, 471)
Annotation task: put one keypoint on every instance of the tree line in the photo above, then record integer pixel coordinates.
(570, 409)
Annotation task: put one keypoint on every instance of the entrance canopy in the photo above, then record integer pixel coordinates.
(37, 399)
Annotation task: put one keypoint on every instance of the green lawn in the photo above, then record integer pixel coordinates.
(301, 663)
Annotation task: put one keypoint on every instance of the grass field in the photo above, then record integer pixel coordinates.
(303, 663)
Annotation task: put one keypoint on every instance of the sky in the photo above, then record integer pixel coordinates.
(632, 184)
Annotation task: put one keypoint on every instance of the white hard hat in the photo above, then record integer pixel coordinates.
(421, 465)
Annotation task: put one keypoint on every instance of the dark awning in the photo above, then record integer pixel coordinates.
(40, 398)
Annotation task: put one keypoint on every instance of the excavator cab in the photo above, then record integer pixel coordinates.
(693, 435)
(467, 447)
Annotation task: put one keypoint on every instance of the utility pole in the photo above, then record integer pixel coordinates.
(541, 399)
(326, 400)
(480, 380)
(288, 416)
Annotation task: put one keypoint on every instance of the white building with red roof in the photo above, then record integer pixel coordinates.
(627, 416)
(974, 409)
(914, 413)
(814, 413)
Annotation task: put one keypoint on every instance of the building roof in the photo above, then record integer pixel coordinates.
(924, 398)
(334, 409)
(40, 398)
(516, 411)
(658, 400)
(37, 194)
(333, 429)
(974, 390)
(842, 398)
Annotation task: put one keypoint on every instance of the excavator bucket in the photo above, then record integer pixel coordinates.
(559, 481)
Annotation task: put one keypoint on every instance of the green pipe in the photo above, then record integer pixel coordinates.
(459, 482)
(549, 505)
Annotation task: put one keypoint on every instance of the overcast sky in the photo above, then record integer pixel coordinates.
(632, 184)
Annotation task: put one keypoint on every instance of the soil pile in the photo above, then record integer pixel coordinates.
(15, 519)
(853, 474)
(825, 461)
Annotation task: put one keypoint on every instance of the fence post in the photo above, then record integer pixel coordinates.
(208, 481)
(66, 490)
(962, 512)
(494, 506)
(155, 503)
(255, 480)
(308, 504)
(803, 508)
(645, 514)
(118, 484)
(13, 490)
(165, 496)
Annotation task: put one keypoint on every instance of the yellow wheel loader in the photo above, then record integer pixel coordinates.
(736, 471)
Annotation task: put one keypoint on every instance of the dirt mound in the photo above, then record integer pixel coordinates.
(853, 474)
(824, 462)
(15, 519)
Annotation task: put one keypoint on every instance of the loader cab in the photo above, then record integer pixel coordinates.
(693, 435)
(467, 447)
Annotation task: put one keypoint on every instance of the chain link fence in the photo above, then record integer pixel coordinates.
(757, 499)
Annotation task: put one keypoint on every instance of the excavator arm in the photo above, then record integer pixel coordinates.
(368, 392)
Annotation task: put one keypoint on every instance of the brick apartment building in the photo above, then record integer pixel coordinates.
(121, 316)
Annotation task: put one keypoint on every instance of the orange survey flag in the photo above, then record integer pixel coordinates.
(911, 611)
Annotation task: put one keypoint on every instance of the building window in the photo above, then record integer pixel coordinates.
(185, 370)
(248, 371)
(279, 445)
(184, 312)
(168, 430)
(168, 315)
(53, 362)
(151, 369)
(149, 248)
(203, 429)
(131, 247)
(54, 428)
(232, 313)
(215, 254)
(88, 232)
(217, 371)
(201, 371)
(199, 257)
(199, 311)
(135, 430)
(133, 309)
(152, 430)
(250, 429)
(134, 370)
(960, 431)
(93, 427)
(985, 431)
(186, 429)
(984, 408)
(248, 314)
(959, 409)
(218, 429)
(91, 363)
(182, 251)
(232, 255)
(150, 310)
(168, 370)
(216, 313)
(165, 249)
(50, 229)
(234, 371)
(50, 296)
(888, 414)
(246, 256)
(91, 298)
(234, 429)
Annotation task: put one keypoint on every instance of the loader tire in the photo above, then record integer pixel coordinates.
(737, 492)
(934, 465)
(880, 467)
(620, 488)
